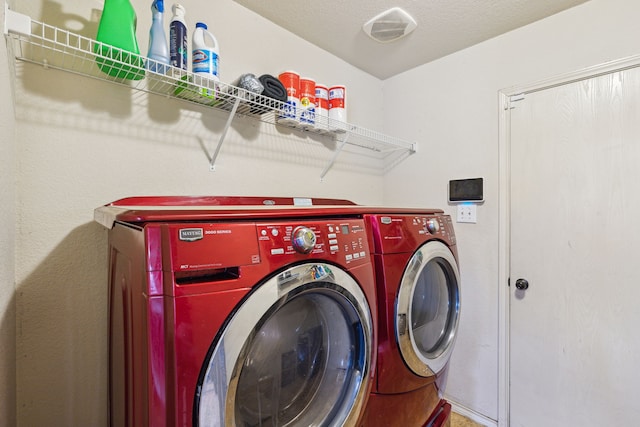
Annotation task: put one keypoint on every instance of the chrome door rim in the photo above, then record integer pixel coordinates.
(215, 405)
(413, 357)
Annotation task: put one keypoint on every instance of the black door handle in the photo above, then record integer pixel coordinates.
(522, 284)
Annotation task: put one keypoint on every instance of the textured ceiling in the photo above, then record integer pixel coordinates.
(444, 26)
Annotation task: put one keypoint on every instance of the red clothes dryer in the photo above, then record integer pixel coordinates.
(418, 293)
(224, 315)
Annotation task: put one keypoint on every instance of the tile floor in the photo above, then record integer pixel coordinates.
(458, 420)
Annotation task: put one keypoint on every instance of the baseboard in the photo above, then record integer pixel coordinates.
(471, 414)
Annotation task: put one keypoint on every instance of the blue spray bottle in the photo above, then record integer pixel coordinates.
(158, 47)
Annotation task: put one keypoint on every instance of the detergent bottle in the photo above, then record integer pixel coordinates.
(117, 53)
(158, 47)
(178, 38)
(205, 56)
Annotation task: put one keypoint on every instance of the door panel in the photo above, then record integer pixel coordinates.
(428, 309)
(575, 194)
(297, 351)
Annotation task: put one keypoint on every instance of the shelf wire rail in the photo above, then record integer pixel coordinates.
(38, 43)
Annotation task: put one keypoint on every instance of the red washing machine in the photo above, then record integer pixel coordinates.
(417, 279)
(238, 312)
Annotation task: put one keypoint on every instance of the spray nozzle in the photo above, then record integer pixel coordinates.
(178, 9)
(158, 5)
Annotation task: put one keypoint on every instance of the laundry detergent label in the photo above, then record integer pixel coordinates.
(205, 61)
(322, 97)
(289, 109)
(291, 82)
(337, 97)
(178, 44)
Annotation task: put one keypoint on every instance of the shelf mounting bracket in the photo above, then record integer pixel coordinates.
(15, 22)
(335, 156)
(212, 163)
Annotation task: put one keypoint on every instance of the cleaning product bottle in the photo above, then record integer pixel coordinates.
(205, 57)
(158, 48)
(178, 38)
(118, 53)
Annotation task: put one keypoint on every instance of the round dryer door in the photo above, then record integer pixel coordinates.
(428, 308)
(297, 352)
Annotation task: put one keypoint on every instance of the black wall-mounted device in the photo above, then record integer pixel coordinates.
(466, 190)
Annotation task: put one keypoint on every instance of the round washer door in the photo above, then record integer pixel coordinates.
(297, 351)
(428, 309)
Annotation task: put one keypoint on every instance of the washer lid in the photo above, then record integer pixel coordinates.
(191, 208)
(428, 309)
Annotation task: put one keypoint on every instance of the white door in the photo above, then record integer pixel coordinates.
(575, 238)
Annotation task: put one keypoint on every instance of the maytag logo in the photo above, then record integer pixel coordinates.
(191, 234)
(385, 220)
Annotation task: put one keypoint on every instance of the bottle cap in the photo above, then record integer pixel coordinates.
(159, 5)
(178, 9)
(201, 25)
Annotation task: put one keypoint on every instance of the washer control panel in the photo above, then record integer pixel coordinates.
(303, 239)
(341, 240)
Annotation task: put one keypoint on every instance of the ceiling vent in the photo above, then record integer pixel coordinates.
(390, 25)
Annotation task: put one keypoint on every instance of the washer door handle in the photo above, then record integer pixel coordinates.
(522, 284)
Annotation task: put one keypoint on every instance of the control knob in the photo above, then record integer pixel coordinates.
(303, 239)
(433, 226)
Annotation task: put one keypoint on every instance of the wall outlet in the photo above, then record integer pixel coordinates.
(467, 213)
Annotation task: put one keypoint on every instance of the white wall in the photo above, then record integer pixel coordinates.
(7, 239)
(452, 111)
(82, 143)
(78, 148)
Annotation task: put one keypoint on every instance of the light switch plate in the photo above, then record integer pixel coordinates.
(467, 212)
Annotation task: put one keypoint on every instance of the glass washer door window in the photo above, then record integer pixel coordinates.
(296, 352)
(428, 309)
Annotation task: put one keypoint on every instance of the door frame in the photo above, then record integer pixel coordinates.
(505, 99)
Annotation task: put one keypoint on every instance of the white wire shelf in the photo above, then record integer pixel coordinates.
(38, 43)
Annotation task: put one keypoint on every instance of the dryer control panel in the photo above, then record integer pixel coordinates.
(343, 241)
(404, 233)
